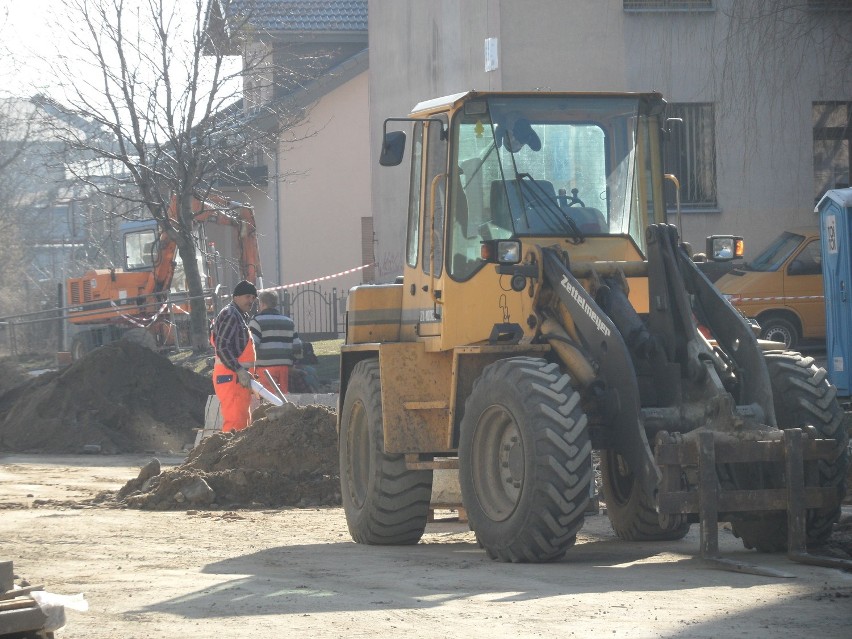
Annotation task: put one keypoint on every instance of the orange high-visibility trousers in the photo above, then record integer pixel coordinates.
(234, 399)
(281, 375)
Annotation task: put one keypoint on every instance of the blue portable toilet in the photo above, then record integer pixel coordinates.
(835, 215)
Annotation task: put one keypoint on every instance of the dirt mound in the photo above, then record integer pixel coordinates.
(286, 458)
(12, 374)
(121, 398)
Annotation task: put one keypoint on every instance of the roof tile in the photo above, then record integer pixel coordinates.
(305, 15)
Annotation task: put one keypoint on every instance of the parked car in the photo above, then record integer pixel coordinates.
(782, 288)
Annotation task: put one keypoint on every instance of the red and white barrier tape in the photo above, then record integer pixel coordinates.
(138, 322)
(739, 300)
(318, 279)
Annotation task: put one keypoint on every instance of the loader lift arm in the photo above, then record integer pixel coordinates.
(605, 345)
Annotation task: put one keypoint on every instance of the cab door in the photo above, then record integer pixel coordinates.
(421, 305)
(803, 287)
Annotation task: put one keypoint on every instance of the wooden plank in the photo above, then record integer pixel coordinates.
(15, 604)
(26, 620)
(11, 594)
(460, 516)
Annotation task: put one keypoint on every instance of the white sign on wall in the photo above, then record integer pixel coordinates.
(491, 62)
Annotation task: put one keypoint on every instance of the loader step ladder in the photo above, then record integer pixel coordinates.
(706, 449)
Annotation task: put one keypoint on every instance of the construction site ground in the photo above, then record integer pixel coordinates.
(295, 572)
(244, 536)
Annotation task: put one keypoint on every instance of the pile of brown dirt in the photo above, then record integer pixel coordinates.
(12, 374)
(288, 457)
(120, 398)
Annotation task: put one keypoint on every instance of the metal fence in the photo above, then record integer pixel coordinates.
(317, 313)
(49, 330)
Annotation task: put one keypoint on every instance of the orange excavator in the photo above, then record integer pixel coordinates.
(146, 300)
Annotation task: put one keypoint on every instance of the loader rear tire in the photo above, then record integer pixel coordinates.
(525, 464)
(802, 395)
(385, 503)
(630, 510)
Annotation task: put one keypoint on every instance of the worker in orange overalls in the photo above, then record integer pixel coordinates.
(235, 355)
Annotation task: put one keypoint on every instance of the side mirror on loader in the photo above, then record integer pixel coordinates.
(393, 148)
(724, 248)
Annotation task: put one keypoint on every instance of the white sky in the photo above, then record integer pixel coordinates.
(30, 42)
(26, 36)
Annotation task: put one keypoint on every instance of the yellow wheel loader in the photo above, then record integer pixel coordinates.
(545, 310)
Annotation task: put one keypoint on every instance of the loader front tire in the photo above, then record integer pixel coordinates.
(385, 502)
(801, 395)
(630, 510)
(524, 460)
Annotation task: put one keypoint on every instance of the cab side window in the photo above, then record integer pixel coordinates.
(808, 262)
(416, 185)
(435, 195)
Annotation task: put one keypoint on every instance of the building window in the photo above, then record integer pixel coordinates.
(691, 155)
(832, 143)
(668, 5)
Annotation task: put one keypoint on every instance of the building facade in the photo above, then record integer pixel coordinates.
(311, 190)
(763, 89)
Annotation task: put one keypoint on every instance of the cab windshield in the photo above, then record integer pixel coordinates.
(561, 166)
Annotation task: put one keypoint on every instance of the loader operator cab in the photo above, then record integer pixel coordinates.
(522, 166)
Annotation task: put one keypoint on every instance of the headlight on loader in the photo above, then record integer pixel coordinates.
(501, 251)
(724, 248)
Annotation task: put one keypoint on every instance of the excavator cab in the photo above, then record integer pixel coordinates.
(139, 244)
(144, 251)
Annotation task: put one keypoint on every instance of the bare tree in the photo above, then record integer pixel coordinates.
(22, 189)
(769, 46)
(163, 103)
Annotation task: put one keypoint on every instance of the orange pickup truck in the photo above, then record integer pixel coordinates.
(782, 288)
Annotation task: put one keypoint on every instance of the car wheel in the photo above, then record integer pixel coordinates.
(778, 329)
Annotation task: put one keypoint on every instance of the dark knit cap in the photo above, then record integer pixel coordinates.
(245, 288)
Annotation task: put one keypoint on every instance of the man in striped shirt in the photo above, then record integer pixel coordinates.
(276, 341)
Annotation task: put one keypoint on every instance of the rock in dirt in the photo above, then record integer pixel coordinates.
(288, 457)
(121, 397)
(149, 470)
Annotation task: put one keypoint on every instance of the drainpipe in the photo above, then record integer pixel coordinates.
(277, 216)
